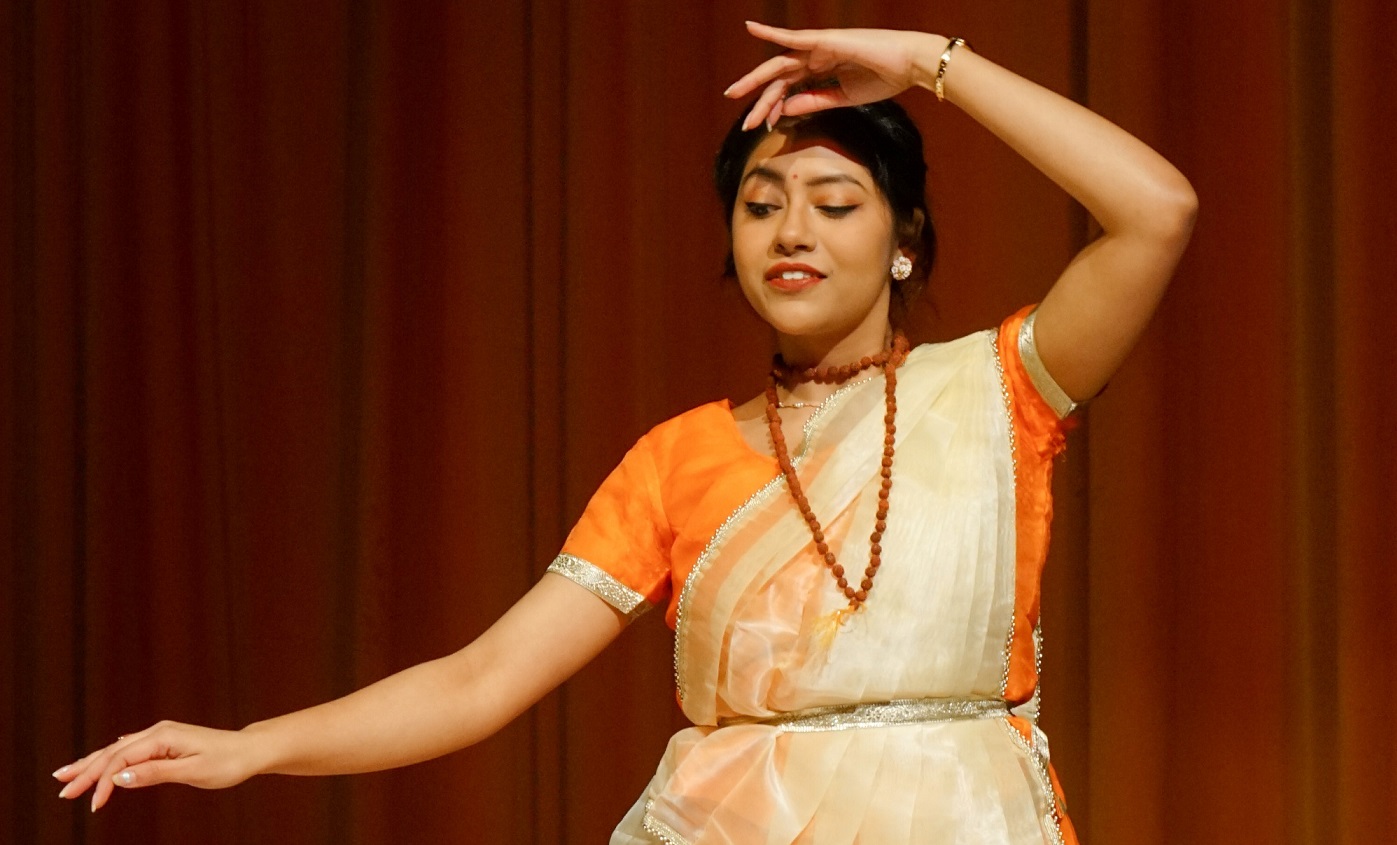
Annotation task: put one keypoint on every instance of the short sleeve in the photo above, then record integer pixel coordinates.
(1041, 407)
(620, 547)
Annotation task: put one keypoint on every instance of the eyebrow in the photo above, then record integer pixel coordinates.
(828, 178)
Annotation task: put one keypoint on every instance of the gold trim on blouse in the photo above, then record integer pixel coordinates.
(1055, 396)
(601, 583)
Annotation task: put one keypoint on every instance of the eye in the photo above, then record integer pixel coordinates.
(837, 211)
(759, 209)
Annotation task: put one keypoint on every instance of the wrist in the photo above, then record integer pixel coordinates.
(927, 59)
(261, 749)
(934, 69)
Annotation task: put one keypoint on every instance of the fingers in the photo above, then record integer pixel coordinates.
(84, 773)
(153, 772)
(164, 753)
(118, 764)
(814, 100)
(775, 113)
(152, 759)
(795, 39)
(73, 769)
(778, 74)
(762, 109)
(773, 68)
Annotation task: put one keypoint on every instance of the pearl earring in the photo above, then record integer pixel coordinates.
(902, 268)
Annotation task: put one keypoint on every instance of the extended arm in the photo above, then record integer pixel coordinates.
(417, 714)
(1097, 309)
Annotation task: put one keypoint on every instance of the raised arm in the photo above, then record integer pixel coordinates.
(1095, 312)
(417, 714)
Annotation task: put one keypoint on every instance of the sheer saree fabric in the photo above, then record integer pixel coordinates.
(791, 742)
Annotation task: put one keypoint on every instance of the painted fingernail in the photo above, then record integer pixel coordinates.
(60, 772)
(126, 778)
(94, 801)
(63, 793)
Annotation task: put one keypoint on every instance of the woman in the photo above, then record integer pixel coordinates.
(877, 703)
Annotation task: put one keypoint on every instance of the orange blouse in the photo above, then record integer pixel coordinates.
(647, 525)
(652, 516)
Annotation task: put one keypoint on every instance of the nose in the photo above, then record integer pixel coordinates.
(794, 234)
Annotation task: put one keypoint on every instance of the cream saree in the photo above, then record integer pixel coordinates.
(892, 727)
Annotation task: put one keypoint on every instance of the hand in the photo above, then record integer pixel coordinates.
(168, 752)
(846, 67)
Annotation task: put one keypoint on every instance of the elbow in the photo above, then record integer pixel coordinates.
(1169, 215)
(1183, 207)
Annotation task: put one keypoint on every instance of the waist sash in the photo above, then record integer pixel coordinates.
(877, 714)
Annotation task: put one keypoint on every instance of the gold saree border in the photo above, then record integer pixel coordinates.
(1008, 654)
(1048, 388)
(725, 528)
(600, 583)
(658, 829)
(1039, 761)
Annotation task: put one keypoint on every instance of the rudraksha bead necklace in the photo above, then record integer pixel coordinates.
(888, 360)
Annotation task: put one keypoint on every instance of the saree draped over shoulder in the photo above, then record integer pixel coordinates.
(915, 720)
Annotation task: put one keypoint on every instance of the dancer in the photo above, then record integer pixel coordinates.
(850, 560)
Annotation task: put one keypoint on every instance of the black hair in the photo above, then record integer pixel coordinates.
(880, 136)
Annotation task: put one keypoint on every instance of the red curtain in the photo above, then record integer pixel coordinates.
(322, 321)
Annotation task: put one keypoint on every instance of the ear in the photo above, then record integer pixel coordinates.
(910, 233)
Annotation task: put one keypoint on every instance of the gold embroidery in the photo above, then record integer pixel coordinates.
(658, 829)
(1038, 760)
(1037, 671)
(1014, 480)
(601, 583)
(1054, 395)
(1008, 652)
(1008, 402)
(881, 714)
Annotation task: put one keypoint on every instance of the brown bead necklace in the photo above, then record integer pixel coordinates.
(889, 360)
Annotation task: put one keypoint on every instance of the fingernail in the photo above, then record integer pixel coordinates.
(94, 801)
(60, 771)
(63, 793)
(727, 92)
(125, 778)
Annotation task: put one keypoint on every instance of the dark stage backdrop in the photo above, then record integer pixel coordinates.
(321, 321)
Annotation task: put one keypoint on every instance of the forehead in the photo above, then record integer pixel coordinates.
(793, 155)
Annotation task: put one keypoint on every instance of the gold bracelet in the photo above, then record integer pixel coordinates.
(940, 86)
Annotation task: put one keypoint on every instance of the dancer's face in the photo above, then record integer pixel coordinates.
(804, 202)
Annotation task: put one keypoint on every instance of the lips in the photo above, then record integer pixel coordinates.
(790, 277)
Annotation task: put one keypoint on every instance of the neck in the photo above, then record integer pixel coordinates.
(869, 338)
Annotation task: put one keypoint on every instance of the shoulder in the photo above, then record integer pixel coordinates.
(698, 429)
(701, 418)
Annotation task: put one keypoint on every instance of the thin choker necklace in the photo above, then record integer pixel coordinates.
(889, 360)
(817, 404)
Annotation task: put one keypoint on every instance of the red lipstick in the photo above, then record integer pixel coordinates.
(775, 272)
